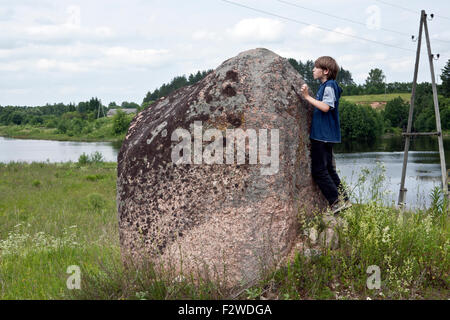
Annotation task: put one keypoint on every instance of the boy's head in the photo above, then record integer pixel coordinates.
(328, 65)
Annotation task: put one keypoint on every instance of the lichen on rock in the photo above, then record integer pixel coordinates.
(228, 217)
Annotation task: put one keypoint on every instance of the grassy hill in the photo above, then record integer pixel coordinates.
(371, 98)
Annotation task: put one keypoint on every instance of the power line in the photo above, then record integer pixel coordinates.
(407, 9)
(340, 18)
(349, 20)
(319, 27)
(397, 6)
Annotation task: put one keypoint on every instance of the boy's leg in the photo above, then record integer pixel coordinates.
(331, 167)
(320, 171)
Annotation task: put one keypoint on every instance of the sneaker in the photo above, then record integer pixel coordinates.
(338, 206)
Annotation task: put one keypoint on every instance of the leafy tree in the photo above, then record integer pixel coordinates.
(352, 90)
(62, 126)
(398, 87)
(305, 70)
(17, 118)
(445, 114)
(176, 83)
(445, 77)
(36, 120)
(375, 81)
(120, 122)
(397, 112)
(76, 126)
(344, 77)
(359, 122)
(129, 105)
(51, 123)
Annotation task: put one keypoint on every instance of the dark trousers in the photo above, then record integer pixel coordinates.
(324, 171)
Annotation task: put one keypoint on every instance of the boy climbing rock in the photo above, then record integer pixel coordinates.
(325, 131)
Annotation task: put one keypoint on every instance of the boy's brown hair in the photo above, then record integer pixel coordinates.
(328, 63)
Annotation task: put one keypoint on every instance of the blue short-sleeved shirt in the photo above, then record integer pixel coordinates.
(325, 125)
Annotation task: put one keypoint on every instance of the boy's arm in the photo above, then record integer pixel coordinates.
(322, 106)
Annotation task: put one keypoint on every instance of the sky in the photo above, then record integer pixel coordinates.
(55, 51)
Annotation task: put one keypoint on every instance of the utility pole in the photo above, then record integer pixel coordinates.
(408, 134)
(98, 109)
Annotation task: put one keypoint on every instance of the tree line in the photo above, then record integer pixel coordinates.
(358, 122)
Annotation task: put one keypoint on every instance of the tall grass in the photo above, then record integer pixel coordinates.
(69, 218)
(47, 227)
(411, 250)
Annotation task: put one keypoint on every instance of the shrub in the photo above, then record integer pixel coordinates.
(120, 122)
(359, 122)
(36, 183)
(52, 123)
(62, 126)
(95, 157)
(95, 177)
(77, 126)
(396, 112)
(96, 201)
(83, 159)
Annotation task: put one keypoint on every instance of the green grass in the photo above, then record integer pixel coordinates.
(65, 219)
(411, 250)
(57, 215)
(377, 98)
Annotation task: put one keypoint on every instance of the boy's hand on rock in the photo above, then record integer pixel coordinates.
(304, 90)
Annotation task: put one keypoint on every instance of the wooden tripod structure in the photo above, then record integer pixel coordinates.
(98, 110)
(408, 134)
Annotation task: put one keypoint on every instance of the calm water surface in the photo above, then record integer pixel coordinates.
(29, 150)
(423, 170)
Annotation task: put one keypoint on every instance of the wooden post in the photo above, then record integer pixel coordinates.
(436, 112)
(408, 134)
(401, 196)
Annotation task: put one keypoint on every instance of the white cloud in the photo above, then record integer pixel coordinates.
(58, 65)
(42, 27)
(204, 35)
(5, 13)
(65, 32)
(302, 55)
(400, 65)
(13, 67)
(71, 50)
(80, 58)
(348, 58)
(121, 56)
(339, 35)
(311, 31)
(257, 29)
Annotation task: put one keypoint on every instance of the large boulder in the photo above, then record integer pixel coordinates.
(184, 199)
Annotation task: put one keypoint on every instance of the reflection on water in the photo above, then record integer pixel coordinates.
(423, 170)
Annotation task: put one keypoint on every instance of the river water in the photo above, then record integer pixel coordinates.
(386, 155)
(352, 160)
